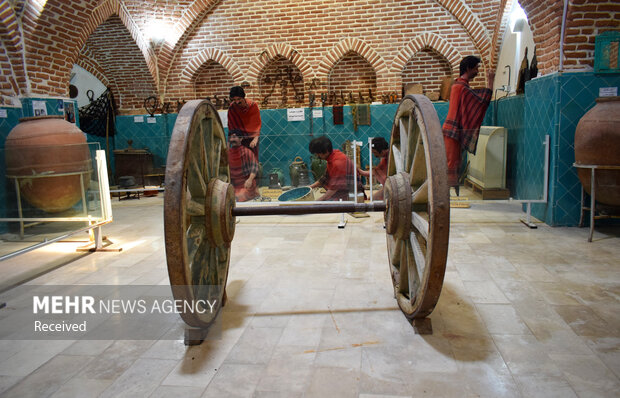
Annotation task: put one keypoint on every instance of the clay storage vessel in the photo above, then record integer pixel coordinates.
(41, 151)
(597, 142)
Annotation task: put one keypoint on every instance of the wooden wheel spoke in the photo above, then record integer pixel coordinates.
(412, 143)
(196, 179)
(395, 254)
(420, 224)
(205, 143)
(403, 284)
(195, 207)
(404, 141)
(420, 196)
(418, 164)
(398, 159)
(198, 172)
(419, 260)
(196, 249)
(217, 158)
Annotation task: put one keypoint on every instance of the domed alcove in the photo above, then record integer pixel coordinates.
(352, 73)
(212, 80)
(281, 84)
(428, 68)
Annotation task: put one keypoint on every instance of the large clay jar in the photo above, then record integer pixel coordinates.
(39, 148)
(597, 142)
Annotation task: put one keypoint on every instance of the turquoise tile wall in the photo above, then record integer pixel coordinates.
(6, 124)
(577, 94)
(281, 141)
(552, 105)
(154, 136)
(540, 119)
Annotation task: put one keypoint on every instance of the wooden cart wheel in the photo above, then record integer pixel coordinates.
(418, 207)
(198, 203)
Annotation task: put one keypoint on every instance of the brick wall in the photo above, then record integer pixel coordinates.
(316, 42)
(585, 20)
(428, 68)
(314, 35)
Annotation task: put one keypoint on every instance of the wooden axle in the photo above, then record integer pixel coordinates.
(290, 209)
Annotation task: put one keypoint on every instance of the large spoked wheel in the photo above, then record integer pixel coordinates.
(198, 203)
(418, 207)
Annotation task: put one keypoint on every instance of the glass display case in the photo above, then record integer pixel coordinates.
(50, 193)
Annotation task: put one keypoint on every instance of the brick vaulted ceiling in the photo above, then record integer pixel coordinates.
(42, 40)
(111, 50)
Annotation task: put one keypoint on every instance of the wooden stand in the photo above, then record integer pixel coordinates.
(592, 207)
(488, 193)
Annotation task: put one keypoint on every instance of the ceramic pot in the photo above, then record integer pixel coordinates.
(318, 167)
(280, 175)
(294, 168)
(47, 156)
(597, 142)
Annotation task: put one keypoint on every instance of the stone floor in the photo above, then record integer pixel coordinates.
(523, 313)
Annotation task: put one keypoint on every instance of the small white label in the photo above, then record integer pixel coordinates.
(223, 118)
(317, 113)
(138, 119)
(296, 114)
(608, 92)
(3, 113)
(39, 108)
(151, 120)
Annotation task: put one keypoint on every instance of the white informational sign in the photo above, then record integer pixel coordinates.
(223, 118)
(296, 114)
(317, 113)
(138, 119)
(39, 108)
(151, 120)
(608, 92)
(3, 113)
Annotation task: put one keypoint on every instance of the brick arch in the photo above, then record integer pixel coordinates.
(345, 46)
(427, 40)
(181, 29)
(500, 28)
(100, 14)
(545, 20)
(10, 38)
(9, 27)
(472, 25)
(287, 52)
(214, 54)
(91, 66)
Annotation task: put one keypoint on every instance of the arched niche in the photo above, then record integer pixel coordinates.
(117, 57)
(428, 68)
(212, 80)
(281, 84)
(352, 73)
